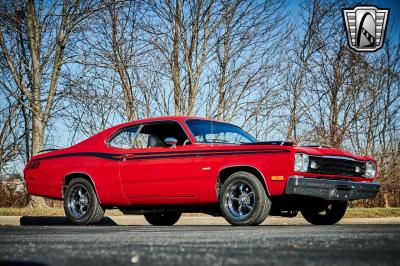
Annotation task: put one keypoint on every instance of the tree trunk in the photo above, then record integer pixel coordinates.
(222, 79)
(120, 66)
(292, 131)
(175, 61)
(386, 199)
(37, 145)
(37, 134)
(38, 123)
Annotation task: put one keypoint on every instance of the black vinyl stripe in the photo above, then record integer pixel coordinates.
(110, 156)
(160, 155)
(201, 155)
(204, 151)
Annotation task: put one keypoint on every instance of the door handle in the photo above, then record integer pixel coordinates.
(126, 156)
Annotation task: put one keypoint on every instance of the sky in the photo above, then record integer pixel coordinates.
(392, 5)
(394, 15)
(61, 138)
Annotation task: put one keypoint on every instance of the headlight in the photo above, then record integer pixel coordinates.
(370, 169)
(301, 161)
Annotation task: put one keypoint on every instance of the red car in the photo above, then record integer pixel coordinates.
(164, 166)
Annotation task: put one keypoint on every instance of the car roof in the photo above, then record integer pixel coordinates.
(106, 133)
(167, 118)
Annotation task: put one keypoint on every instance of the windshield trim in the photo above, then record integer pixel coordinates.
(220, 122)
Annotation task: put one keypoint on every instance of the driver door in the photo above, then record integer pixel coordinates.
(154, 173)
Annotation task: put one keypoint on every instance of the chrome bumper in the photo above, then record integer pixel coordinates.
(331, 189)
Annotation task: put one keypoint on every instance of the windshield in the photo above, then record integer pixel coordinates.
(206, 131)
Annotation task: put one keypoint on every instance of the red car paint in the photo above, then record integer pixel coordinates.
(165, 175)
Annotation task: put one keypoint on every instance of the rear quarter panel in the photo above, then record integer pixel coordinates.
(48, 179)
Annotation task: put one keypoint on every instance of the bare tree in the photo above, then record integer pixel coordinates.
(92, 105)
(343, 98)
(181, 34)
(11, 133)
(35, 35)
(248, 47)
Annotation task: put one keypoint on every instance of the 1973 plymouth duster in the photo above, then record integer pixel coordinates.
(164, 166)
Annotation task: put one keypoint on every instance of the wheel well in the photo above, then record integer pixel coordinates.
(225, 173)
(68, 178)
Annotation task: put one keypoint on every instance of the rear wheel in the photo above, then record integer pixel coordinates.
(81, 205)
(162, 218)
(243, 200)
(332, 213)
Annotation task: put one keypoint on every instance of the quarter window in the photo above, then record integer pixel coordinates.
(125, 139)
(142, 140)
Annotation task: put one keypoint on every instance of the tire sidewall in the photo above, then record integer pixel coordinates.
(90, 213)
(338, 211)
(259, 202)
(166, 218)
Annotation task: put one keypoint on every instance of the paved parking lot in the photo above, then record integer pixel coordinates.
(109, 244)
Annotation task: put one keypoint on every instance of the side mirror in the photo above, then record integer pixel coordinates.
(171, 141)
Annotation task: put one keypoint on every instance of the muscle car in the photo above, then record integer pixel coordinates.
(162, 167)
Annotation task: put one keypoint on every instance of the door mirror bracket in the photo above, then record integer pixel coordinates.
(171, 141)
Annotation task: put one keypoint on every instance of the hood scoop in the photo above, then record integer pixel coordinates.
(315, 146)
(278, 143)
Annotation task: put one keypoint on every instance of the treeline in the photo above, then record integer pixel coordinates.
(281, 72)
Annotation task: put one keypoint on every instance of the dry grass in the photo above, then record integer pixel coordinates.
(351, 212)
(44, 212)
(372, 212)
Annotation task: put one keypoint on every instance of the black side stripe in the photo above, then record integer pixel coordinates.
(161, 155)
(201, 155)
(110, 156)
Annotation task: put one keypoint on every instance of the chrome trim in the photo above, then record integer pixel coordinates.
(240, 199)
(141, 125)
(331, 189)
(78, 201)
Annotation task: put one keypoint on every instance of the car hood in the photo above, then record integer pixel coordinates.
(328, 151)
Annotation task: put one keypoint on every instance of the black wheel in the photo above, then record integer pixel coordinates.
(162, 218)
(243, 200)
(81, 205)
(332, 213)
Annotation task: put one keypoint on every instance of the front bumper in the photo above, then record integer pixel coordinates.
(331, 189)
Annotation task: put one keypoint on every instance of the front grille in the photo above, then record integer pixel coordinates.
(336, 166)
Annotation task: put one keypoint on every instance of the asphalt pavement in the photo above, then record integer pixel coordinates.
(110, 244)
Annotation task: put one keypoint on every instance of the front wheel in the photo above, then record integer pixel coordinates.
(243, 200)
(162, 218)
(81, 204)
(332, 213)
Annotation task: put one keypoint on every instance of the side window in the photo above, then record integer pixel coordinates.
(125, 138)
(153, 135)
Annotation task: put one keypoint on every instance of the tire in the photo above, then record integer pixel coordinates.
(333, 213)
(81, 204)
(243, 200)
(162, 218)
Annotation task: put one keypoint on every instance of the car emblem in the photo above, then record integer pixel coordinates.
(365, 27)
